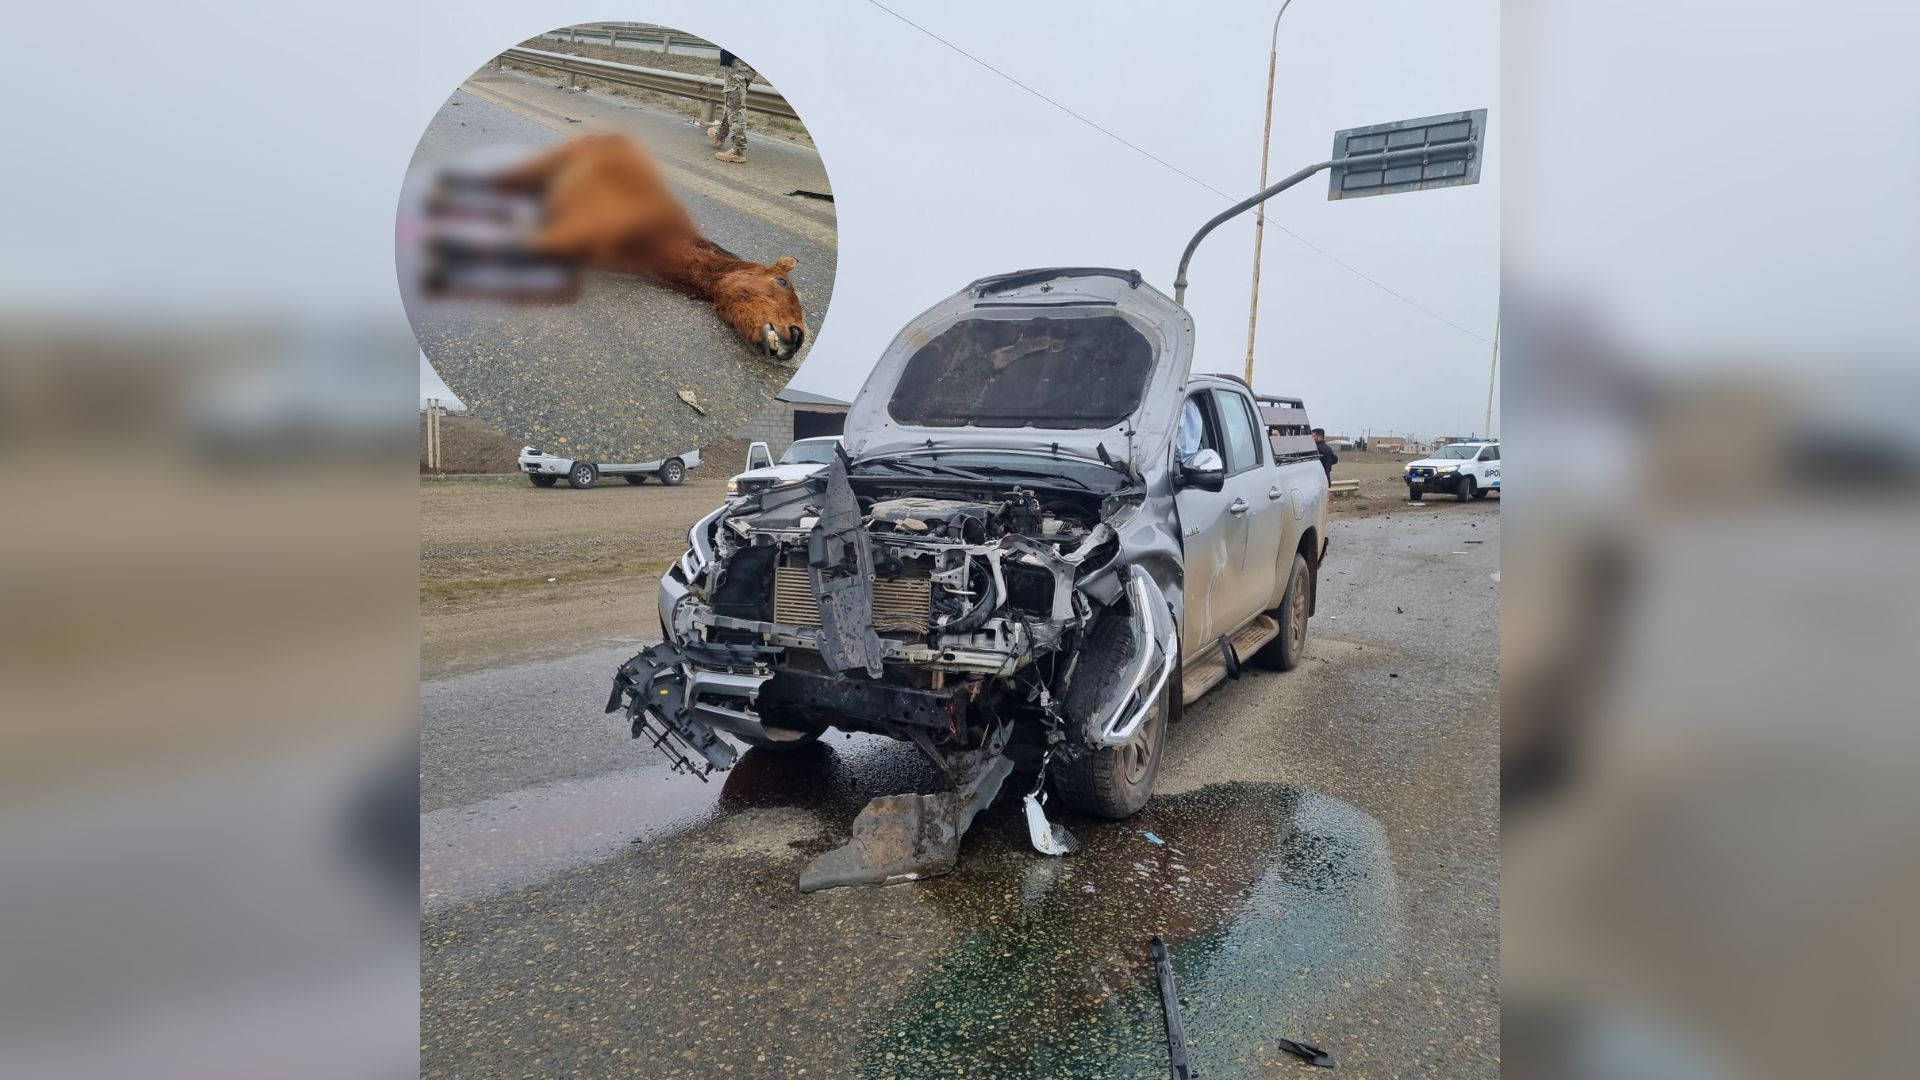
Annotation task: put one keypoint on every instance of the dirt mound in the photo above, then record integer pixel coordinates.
(469, 446)
(724, 458)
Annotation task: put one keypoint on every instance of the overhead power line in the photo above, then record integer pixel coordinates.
(1163, 162)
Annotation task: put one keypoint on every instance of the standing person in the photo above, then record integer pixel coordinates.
(1327, 457)
(730, 134)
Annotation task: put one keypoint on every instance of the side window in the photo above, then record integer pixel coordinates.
(1243, 451)
(1491, 453)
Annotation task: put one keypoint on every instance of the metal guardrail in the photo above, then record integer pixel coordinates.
(709, 90)
(648, 34)
(1343, 487)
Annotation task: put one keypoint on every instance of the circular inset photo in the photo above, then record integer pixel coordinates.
(616, 242)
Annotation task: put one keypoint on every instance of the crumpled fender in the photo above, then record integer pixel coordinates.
(1156, 651)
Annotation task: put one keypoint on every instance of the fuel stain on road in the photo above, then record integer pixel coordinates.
(1273, 900)
(696, 953)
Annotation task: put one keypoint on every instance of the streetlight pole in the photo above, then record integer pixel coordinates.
(1260, 218)
(1493, 374)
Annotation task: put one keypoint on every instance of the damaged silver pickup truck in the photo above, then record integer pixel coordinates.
(1043, 538)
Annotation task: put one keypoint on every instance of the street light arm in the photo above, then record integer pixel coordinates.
(1380, 160)
(1241, 207)
(1274, 46)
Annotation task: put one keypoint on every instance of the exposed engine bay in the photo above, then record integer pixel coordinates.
(945, 612)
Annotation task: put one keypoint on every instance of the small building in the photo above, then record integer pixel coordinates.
(794, 414)
(1392, 444)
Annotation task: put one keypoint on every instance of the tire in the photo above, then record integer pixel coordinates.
(1113, 782)
(542, 481)
(1283, 652)
(582, 476)
(1413, 493)
(636, 479)
(778, 746)
(1464, 488)
(673, 472)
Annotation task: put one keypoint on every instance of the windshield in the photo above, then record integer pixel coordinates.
(1448, 453)
(1046, 372)
(809, 453)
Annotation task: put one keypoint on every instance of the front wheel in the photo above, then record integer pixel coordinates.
(583, 475)
(542, 480)
(1464, 490)
(673, 472)
(1413, 493)
(1114, 781)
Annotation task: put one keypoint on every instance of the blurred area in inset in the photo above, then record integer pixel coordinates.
(1712, 842)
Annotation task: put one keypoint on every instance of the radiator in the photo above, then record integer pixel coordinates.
(905, 603)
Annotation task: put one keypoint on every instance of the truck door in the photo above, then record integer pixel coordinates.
(1489, 467)
(1254, 494)
(1210, 538)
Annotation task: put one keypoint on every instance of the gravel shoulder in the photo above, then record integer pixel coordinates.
(510, 572)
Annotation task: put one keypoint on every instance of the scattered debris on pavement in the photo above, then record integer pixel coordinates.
(1312, 1054)
(900, 838)
(1170, 1003)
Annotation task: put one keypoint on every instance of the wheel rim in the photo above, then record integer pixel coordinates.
(1137, 755)
(581, 476)
(1297, 613)
(673, 473)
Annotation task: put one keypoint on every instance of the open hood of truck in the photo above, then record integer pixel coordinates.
(1074, 357)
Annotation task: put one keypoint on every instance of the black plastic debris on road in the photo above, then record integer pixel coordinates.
(1310, 1053)
(823, 196)
(1170, 1002)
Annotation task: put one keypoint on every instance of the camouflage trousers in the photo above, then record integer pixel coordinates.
(733, 122)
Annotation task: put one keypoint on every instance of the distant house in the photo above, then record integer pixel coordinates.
(1392, 444)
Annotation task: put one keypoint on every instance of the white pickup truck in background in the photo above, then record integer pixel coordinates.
(1466, 470)
(803, 458)
(546, 470)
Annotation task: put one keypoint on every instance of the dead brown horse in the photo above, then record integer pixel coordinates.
(607, 208)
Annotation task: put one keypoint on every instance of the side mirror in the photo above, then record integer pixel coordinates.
(1203, 469)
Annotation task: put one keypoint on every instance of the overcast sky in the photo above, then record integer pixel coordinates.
(945, 172)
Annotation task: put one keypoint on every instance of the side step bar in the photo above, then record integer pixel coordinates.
(1210, 670)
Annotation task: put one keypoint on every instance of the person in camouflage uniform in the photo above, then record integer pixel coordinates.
(730, 134)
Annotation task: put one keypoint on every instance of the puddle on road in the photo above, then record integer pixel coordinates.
(522, 838)
(1277, 904)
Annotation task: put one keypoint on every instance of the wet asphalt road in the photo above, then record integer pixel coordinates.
(600, 377)
(1329, 873)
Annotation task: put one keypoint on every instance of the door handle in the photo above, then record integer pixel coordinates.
(1275, 493)
(1237, 507)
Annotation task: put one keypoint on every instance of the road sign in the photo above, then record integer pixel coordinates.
(1408, 155)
